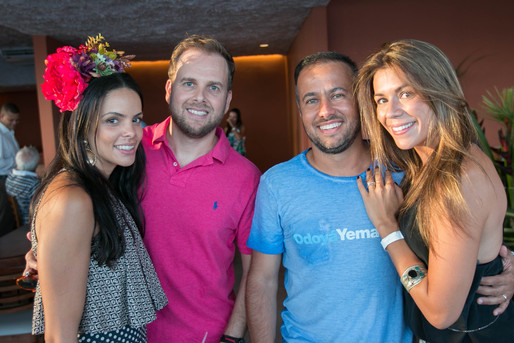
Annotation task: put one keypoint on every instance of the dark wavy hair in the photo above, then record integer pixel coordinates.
(123, 183)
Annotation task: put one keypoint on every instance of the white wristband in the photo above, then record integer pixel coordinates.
(391, 238)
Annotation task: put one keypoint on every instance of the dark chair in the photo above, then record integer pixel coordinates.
(15, 303)
(13, 298)
(18, 220)
(7, 220)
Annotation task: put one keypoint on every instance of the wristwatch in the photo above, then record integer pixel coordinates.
(230, 339)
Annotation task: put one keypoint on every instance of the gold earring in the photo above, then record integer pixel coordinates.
(91, 156)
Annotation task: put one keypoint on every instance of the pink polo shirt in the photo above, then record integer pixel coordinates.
(194, 217)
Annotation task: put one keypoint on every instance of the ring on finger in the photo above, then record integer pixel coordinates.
(27, 274)
(505, 297)
(372, 183)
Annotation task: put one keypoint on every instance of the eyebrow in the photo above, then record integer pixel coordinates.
(333, 90)
(210, 83)
(216, 83)
(396, 90)
(120, 114)
(190, 79)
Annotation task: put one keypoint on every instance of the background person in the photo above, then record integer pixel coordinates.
(236, 131)
(9, 118)
(96, 280)
(23, 182)
(451, 204)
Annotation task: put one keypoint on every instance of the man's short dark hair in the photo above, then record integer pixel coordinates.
(10, 108)
(323, 57)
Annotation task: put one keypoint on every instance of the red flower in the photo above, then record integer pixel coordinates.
(63, 83)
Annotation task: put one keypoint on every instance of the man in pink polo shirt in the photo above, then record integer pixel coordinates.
(198, 201)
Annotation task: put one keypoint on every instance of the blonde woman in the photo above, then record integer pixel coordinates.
(443, 226)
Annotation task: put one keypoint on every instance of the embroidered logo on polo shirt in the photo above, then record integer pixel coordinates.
(215, 205)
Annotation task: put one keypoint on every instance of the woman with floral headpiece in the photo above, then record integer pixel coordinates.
(443, 226)
(96, 280)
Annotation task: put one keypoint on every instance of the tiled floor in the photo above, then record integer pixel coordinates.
(16, 323)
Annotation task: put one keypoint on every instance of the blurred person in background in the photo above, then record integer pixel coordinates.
(23, 181)
(236, 131)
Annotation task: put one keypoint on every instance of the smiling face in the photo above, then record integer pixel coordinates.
(199, 95)
(328, 112)
(402, 111)
(232, 117)
(119, 130)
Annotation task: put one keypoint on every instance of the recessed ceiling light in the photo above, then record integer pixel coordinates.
(264, 45)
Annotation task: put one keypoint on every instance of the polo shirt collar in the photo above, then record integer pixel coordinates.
(159, 133)
(222, 147)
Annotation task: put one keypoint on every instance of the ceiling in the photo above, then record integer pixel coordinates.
(150, 28)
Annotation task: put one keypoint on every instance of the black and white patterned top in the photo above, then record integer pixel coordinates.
(129, 294)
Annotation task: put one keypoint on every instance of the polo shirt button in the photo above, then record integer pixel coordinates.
(175, 164)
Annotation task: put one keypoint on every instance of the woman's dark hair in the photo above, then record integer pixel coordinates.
(123, 183)
(239, 121)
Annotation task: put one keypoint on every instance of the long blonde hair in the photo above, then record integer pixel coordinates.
(433, 188)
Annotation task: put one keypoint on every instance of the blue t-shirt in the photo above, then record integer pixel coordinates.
(341, 285)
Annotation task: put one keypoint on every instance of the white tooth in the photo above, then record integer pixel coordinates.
(403, 127)
(200, 113)
(125, 147)
(330, 126)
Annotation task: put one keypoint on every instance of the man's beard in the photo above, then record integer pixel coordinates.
(345, 142)
(190, 131)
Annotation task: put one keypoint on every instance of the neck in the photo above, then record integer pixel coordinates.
(424, 153)
(351, 162)
(186, 148)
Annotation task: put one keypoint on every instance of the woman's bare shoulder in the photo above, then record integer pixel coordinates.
(481, 180)
(479, 166)
(65, 202)
(64, 189)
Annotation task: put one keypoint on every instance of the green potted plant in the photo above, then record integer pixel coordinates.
(500, 107)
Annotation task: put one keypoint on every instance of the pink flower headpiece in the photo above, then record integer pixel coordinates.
(69, 70)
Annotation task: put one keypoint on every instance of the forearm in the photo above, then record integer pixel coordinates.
(236, 326)
(261, 304)
(440, 306)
